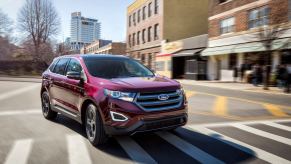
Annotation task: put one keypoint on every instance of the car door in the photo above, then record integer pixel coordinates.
(57, 83)
(73, 88)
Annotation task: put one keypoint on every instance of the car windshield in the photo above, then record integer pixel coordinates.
(110, 68)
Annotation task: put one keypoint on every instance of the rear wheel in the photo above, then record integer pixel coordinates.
(94, 126)
(46, 107)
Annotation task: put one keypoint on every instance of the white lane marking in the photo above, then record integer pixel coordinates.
(259, 153)
(188, 148)
(134, 151)
(78, 152)
(19, 152)
(12, 93)
(261, 133)
(20, 112)
(241, 122)
(279, 126)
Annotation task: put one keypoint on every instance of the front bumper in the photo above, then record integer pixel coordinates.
(148, 125)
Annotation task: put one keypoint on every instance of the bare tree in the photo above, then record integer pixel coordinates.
(40, 22)
(268, 35)
(5, 25)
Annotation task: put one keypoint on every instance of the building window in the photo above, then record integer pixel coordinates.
(138, 38)
(142, 58)
(259, 17)
(150, 61)
(149, 34)
(222, 1)
(143, 36)
(160, 66)
(144, 13)
(129, 21)
(156, 6)
(134, 23)
(156, 32)
(129, 40)
(150, 10)
(138, 16)
(133, 39)
(227, 25)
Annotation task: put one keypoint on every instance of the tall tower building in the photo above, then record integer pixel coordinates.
(83, 31)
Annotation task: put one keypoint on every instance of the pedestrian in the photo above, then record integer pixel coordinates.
(287, 77)
(242, 72)
(235, 73)
(256, 75)
(280, 70)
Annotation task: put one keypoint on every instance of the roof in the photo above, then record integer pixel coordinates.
(94, 56)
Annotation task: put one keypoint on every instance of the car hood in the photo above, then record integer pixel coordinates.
(140, 84)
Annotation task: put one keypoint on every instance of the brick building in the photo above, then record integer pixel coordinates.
(234, 35)
(153, 22)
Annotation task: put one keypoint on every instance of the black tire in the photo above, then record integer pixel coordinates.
(46, 107)
(94, 126)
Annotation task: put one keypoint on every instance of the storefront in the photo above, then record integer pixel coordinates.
(227, 53)
(182, 59)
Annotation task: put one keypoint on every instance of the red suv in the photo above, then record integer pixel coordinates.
(111, 95)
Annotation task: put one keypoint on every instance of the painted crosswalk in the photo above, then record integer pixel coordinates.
(79, 151)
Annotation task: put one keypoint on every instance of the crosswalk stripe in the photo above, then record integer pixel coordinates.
(279, 126)
(20, 112)
(134, 151)
(17, 92)
(78, 153)
(19, 152)
(188, 148)
(261, 133)
(220, 106)
(259, 153)
(275, 110)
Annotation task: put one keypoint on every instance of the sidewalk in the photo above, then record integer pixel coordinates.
(235, 86)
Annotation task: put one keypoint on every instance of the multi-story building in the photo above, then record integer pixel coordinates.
(105, 47)
(83, 30)
(242, 31)
(153, 22)
(93, 47)
(115, 48)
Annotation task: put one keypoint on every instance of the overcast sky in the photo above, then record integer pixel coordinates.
(111, 14)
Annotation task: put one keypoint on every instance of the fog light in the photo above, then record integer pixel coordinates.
(118, 116)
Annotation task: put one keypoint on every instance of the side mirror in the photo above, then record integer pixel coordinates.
(74, 75)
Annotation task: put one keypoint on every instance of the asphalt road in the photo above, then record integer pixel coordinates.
(225, 126)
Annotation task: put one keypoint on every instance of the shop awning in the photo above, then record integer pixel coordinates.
(245, 47)
(187, 52)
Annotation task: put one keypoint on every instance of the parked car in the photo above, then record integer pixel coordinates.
(111, 95)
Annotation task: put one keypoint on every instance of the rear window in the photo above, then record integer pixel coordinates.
(109, 68)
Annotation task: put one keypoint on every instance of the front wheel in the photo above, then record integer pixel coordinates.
(46, 107)
(94, 126)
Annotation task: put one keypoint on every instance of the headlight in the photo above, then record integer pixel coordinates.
(180, 92)
(126, 96)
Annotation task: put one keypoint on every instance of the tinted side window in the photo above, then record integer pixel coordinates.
(74, 66)
(61, 66)
(51, 67)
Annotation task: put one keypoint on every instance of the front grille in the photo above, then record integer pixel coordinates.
(164, 123)
(149, 101)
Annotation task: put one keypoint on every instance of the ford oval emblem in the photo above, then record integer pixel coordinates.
(163, 97)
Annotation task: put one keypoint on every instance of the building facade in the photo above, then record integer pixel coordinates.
(104, 47)
(243, 33)
(150, 23)
(83, 31)
(182, 59)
